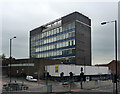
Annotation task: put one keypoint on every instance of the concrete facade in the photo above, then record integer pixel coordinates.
(83, 43)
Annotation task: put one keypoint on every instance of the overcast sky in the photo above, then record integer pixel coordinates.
(21, 16)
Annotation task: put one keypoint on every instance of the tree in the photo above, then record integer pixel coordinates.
(2, 56)
(71, 75)
(61, 74)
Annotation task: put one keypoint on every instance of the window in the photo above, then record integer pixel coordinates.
(54, 38)
(60, 52)
(51, 32)
(44, 34)
(73, 51)
(47, 33)
(58, 45)
(61, 44)
(67, 43)
(73, 34)
(63, 36)
(55, 46)
(46, 54)
(60, 29)
(74, 42)
(51, 53)
(40, 55)
(69, 26)
(66, 35)
(69, 35)
(50, 39)
(57, 30)
(70, 43)
(64, 44)
(45, 41)
(57, 38)
(63, 28)
(73, 25)
(70, 51)
(51, 46)
(45, 47)
(55, 53)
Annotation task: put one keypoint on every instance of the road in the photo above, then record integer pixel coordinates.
(58, 87)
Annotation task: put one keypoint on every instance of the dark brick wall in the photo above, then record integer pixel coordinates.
(39, 66)
(112, 67)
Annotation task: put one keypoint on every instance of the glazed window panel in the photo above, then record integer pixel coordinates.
(73, 24)
(60, 29)
(57, 30)
(74, 42)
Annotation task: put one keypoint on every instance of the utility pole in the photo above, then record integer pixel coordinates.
(81, 77)
(11, 55)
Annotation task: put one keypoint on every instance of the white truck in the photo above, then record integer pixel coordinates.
(30, 78)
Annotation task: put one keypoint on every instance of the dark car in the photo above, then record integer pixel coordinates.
(14, 86)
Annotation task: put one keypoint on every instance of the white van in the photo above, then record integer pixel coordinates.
(30, 78)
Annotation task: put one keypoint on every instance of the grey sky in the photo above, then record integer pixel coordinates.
(21, 16)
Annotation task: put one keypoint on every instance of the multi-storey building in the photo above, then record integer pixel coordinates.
(67, 38)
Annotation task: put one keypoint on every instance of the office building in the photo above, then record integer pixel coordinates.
(67, 38)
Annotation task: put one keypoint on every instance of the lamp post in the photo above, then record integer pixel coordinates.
(115, 21)
(11, 54)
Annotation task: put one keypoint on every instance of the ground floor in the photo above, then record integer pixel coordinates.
(41, 86)
(22, 67)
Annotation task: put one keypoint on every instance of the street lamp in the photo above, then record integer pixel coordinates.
(115, 21)
(11, 54)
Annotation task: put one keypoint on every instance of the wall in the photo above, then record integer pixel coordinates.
(83, 44)
(39, 66)
(112, 67)
(76, 70)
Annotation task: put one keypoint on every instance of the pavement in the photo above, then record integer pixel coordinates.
(58, 92)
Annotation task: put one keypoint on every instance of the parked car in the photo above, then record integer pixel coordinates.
(66, 83)
(30, 78)
(14, 86)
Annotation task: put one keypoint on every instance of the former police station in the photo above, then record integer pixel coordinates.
(64, 41)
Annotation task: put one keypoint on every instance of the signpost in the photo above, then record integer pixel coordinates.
(87, 78)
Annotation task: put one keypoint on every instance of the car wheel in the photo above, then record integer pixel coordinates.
(11, 89)
(21, 88)
(7, 89)
(24, 88)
